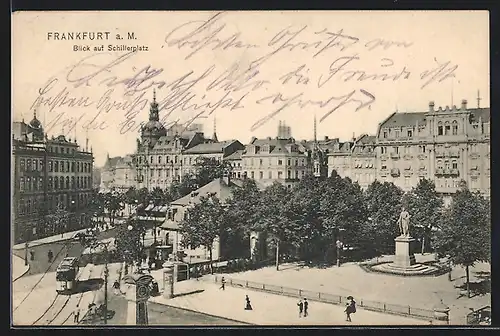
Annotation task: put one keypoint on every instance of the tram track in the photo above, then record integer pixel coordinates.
(61, 300)
(65, 246)
(81, 297)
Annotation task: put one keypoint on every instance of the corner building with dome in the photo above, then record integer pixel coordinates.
(50, 176)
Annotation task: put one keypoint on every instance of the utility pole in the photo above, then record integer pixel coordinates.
(26, 253)
(277, 255)
(106, 274)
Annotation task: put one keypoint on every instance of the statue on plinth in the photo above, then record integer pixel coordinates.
(404, 223)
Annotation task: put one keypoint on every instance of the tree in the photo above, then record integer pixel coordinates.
(96, 206)
(305, 210)
(59, 218)
(142, 196)
(242, 217)
(208, 169)
(274, 204)
(128, 242)
(464, 235)
(203, 224)
(113, 204)
(425, 206)
(383, 204)
(342, 211)
(130, 197)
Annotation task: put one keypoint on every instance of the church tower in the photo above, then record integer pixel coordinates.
(153, 130)
(36, 129)
(318, 156)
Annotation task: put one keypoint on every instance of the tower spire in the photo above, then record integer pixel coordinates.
(214, 136)
(315, 129)
(478, 99)
(154, 95)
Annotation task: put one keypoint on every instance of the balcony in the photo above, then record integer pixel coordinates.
(395, 172)
(407, 172)
(395, 156)
(422, 172)
(422, 156)
(384, 157)
(474, 155)
(384, 172)
(474, 173)
(407, 156)
(447, 172)
(455, 154)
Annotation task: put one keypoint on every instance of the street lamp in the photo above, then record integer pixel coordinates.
(106, 274)
(339, 245)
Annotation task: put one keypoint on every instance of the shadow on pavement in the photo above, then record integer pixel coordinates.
(97, 319)
(88, 285)
(477, 288)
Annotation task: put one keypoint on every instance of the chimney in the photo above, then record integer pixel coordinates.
(326, 138)
(431, 106)
(464, 105)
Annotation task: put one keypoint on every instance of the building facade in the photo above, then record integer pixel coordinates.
(48, 174)
(118, 174)
(445, 145)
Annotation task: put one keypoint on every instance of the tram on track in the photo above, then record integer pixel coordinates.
(66, 274)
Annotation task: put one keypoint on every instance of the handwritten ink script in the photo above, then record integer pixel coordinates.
(337, 71)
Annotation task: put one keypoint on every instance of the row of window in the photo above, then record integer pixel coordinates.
(62, 150)
(55, 166)
(36, 205)
(446, 164)
(279, 174)
(56, 183)
(289, 162)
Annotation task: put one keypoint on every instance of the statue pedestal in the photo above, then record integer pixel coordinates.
(404, 256)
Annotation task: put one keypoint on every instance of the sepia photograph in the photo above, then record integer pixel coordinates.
(250, 168)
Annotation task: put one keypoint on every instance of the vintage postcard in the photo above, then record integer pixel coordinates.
(251, 168)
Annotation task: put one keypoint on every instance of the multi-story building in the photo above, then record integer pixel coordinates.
(446, 145)
(48, 175)
(163, 156)
(218, 151)
(158, 157)
(235, 161)
(355, 159)
(96, 176)
(283, 159)
(118, 173)
(268, 160)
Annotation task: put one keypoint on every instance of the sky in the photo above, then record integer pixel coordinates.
(247, 71)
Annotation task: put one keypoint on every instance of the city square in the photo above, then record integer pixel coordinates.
(331, 217)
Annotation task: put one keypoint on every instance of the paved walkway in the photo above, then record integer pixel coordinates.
(51, 239)
(350, 279)
(18, 267)
(268, 309)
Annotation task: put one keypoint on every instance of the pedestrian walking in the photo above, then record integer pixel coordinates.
(50, 255)
(223, 284)
(350, 308)
(76, 314)
(248, 305)
(306, 306)
(116, 287)
(32, 255)
(300, 304)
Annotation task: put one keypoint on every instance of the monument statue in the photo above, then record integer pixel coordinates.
(404, 223)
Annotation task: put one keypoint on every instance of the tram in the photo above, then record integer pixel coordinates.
(66, 274)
